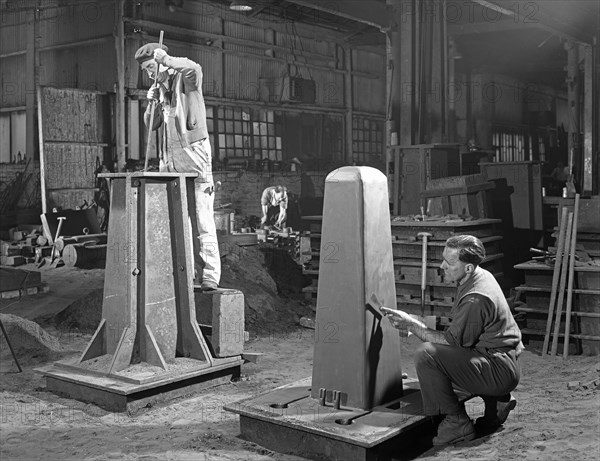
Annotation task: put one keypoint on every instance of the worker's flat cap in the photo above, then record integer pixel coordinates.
(146, 52)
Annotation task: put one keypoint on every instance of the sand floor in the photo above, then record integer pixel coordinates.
(550, 422)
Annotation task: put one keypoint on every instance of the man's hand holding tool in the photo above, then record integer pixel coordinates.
(153, 93)
(160, 55)
(401, 320)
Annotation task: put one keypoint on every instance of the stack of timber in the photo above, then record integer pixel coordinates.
(460, 195)
(407, 247)
(311, 251)
(21, 246)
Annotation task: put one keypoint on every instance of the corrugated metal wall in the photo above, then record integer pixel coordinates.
(240, 55)
(77, 50)
(252, 54)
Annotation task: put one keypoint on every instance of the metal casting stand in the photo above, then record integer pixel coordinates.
(149, 344)
(356, 406)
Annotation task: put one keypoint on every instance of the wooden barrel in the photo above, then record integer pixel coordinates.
(82, 255)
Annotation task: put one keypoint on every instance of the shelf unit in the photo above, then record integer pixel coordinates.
(584, 333)
(311, 268)
(407, 249)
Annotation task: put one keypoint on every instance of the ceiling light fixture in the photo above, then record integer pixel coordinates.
(240, 5)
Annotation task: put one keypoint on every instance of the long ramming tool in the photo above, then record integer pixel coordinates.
(424, 236)
(152, 108)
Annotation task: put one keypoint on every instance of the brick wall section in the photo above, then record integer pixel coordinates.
(8, 172)
(243, 189)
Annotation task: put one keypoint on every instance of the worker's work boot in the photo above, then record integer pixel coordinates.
(208, 286)
(454, 429)
(496, 413)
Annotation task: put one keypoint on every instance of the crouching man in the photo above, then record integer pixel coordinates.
(477, 354)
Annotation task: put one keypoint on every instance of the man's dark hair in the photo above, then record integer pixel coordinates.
(470, 249)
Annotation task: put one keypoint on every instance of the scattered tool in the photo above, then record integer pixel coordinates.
(223, 206)
(424, 236)
(57, 245)
(542, 252)
(60, 223)
(374, 301)
(152, 108)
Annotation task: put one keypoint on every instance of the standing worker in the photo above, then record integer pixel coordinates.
(274, 203)
(476, 354)
(180, 114)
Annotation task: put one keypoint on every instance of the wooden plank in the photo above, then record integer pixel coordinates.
(563, 277)
(529, 331)
(71, 166)
(69, 199)
(460, 190)
(445, 223)
(555, 280)
(549, 290)
(41, 148)
(82, 107)
(571, 276)
(595, 315)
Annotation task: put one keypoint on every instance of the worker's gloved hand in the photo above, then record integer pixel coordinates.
(160, 55)
(153, 93)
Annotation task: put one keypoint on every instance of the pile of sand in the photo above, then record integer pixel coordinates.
(82, 315)
(243, 268)
(266, 311)
(29, 341)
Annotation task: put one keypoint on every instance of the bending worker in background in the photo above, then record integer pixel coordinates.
(274, 203)
(477, 354)
(184, 144)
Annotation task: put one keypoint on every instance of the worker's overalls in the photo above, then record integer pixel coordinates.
(195, 158)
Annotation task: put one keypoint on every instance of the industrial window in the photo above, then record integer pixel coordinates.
(210, 124)
(12, 137)
(367, 141)
(252, 133)
(234, 131)
(267, 135)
